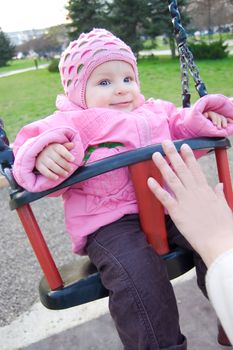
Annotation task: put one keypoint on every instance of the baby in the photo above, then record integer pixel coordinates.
(103, 113)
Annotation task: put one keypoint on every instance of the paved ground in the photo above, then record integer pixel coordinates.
(25, 324)
(18, 71)
(198, 323)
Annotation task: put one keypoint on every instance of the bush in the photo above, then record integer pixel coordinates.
(214, 50)
(53, 66)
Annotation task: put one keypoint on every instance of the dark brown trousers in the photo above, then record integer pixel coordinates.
(141, 300)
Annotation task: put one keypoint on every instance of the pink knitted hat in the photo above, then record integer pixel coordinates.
(86, 53)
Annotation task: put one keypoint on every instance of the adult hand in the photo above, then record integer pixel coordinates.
(200, 213)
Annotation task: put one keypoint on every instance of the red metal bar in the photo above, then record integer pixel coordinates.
(224, 174)
(151, 211)
(40, 247)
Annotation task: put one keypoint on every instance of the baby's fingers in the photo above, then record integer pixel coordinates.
(225, 121)
(217, 119)
(229, 120)
(45, 171)
(68, 145)
(64, 151)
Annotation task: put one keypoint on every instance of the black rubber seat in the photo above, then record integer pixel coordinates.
(82, 282)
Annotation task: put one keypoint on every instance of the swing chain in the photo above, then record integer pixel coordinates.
(186, 57)
(179, 31)
(184, 82)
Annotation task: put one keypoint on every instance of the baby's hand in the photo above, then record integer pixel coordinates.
(54, 160)
(217, 119)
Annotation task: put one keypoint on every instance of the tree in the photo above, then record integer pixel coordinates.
(137, 20)
(123, 18)
(85, 15)
(50, 43)
(131, 20)
(162, 23)
(127, 19)
(6, 49)
(207, 14)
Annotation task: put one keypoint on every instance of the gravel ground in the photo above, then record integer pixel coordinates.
(19, 270)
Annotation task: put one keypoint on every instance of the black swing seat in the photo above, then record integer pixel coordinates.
(81, 280)
(82, 284)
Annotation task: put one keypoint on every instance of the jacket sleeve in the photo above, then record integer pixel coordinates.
(219, 284)
(31, 140)
(190, 122)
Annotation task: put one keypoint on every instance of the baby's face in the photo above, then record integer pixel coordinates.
(112, 85)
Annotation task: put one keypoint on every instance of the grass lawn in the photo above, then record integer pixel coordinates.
(160, 78)
(26, 97)
(29, 96)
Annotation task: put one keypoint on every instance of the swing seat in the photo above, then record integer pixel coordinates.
(82, 283)
(79, 282)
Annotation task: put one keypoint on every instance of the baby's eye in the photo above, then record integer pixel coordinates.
(104, 82)
(128, 79)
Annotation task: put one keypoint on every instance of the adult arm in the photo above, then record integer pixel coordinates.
(219, 284)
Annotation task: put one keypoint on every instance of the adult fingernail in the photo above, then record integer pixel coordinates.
(186, 147)
(168, 143)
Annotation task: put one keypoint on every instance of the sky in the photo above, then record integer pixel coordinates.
(17, 15)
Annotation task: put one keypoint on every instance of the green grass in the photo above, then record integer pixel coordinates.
(26, 97)
(20, 64)
(29, 96)
(160, 78)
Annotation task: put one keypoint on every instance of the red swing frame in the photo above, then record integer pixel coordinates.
(153, 225)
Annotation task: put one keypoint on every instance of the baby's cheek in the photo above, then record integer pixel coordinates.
(139, 100)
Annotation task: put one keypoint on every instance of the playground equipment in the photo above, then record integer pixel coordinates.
(78, 283)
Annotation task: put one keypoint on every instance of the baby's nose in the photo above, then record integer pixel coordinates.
(121, 89)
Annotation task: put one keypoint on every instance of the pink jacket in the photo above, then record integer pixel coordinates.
(106, 198)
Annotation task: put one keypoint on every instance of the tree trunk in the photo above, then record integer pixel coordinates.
(172, 47)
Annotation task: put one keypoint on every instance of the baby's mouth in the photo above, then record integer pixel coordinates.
(120, 104)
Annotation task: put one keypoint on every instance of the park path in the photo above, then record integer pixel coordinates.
(17, 71)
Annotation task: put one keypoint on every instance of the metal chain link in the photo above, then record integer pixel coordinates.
(184, 81)
(187, 54)
(186, 57)
(180, 33)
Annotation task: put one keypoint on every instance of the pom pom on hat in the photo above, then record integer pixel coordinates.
(83, 55)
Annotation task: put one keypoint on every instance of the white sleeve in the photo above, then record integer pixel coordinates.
(219, 284)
